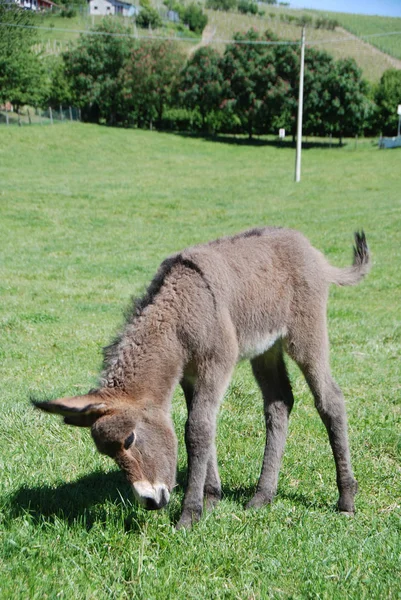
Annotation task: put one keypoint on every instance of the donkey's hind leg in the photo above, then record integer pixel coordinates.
(271, 374)
(313, 359)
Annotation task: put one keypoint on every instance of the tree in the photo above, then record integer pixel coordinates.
(250, 79)
(148, 17)
(148, 77)
(387, 98)
(200, 83)
(59, 89)
(195, 18)
(93, 68)
(348, 108)
(22, 77)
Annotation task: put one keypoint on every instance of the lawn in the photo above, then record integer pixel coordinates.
(86, 215)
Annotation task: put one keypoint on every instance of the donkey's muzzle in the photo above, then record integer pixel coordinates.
(151, 497)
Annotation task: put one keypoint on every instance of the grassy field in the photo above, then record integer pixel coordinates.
(86, 215)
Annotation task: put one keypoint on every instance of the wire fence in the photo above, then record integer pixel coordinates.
(28, 115)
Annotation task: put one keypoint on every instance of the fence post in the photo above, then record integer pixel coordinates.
(70, 113)
(51, 115)
(61, 112)
(7, 122)
(29, 117)
(19, 118)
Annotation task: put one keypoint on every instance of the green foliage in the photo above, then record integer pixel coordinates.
(349, 108)
(252, 87)
(225, 5)
(147, 79)
(387, 98)
(93, 67)
(148, 17)
(200, 84)
(304, 21)
(325, 23)
(69, 12)
(194, 17)
(22, 77)
(248, 6)
(59, 90)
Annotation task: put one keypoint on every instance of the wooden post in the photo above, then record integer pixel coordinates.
(29, 117)
(70, 109)
(51, 115)
(7, 121)
(61, 113)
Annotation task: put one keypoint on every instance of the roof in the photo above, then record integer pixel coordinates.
(128, 2)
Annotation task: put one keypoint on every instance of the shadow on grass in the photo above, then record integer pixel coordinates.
(81, 500)
(88, 500)
(261, 141)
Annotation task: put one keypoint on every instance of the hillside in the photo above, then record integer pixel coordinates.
(374, 55)
(383, 28)
(340, 42)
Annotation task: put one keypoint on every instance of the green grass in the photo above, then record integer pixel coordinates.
(86, 215)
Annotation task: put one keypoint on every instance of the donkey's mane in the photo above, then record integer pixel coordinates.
(112, 353)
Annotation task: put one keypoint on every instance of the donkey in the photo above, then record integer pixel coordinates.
(249, 296)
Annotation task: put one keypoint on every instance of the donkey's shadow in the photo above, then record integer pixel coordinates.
(86, 500)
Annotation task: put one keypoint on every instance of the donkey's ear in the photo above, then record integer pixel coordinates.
(81, 411)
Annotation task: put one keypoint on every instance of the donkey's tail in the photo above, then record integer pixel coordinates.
(360, 266)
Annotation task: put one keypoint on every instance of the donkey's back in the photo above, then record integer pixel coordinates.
(269, 284)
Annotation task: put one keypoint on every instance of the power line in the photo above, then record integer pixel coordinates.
(153, 37)
(198, 40)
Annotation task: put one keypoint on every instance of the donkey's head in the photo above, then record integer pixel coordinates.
(141, 440)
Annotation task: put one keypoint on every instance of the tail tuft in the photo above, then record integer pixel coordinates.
(361, 250)
(360, 266)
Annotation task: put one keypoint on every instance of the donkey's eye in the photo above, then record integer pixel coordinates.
(129, 441)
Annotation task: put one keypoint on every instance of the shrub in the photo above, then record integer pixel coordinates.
(148, 17)
(247, 6)
(195, 18)
(221, 4)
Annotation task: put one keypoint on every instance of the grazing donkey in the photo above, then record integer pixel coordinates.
(252, 296)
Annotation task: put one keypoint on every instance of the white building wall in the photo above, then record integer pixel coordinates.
(109, 7)
(101, 7)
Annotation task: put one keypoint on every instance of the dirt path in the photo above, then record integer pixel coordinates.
(207, 36)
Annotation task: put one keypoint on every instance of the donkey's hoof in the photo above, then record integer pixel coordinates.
(211, 499)
(347, 513)
(260, 499)
(188, 518)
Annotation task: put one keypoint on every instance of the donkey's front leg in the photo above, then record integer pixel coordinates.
(212, 487)
(200, 433)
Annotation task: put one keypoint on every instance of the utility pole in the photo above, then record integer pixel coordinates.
(300, 110)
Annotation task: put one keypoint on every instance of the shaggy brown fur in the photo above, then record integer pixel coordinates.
(252, 295)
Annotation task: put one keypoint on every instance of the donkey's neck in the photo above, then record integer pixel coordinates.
(147, 359)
